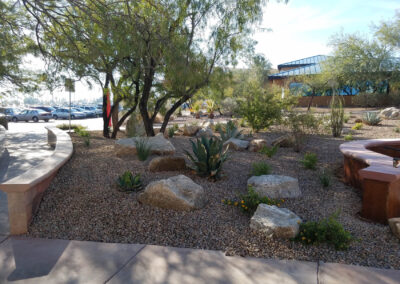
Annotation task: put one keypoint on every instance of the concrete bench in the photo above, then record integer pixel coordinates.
(25, 191)
(368, 165)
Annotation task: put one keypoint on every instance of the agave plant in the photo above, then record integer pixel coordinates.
(229, 131)
(208, 156)
(371, 118)
(129, 182)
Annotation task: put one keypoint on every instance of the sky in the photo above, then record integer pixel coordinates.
(298, 29)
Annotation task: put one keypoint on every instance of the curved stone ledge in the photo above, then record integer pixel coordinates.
(25, 191)
(368, 165)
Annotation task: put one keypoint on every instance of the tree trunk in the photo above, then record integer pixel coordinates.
(114, 114)
(121, 121)
(106, 131)
(168, 114)
(311, 99)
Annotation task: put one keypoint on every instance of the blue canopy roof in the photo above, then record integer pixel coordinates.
(305, 66)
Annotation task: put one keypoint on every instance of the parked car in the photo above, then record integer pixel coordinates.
(94, 110)
(47, 109)
(32, 114)
(8, 112)
(63, 113)
(88, 113)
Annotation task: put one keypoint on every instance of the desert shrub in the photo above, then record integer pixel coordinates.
(328, 231)
(310, 161)
(228, 106)
(82, 132)
(396, 129)
(229, 131)
(172, 130)
(249, 202)
(301, 124)
(75, 127)
(325, 178)
(376, 99)
(269, 151)
(208, 156)
(260, 168)
(128, 182)
(260, 107)
(357, 126)
(346, 118)
(371, 118)
(143, 148)
(337, 115)
(348, 137)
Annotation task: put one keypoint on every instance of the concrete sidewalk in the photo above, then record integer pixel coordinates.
(24, 260)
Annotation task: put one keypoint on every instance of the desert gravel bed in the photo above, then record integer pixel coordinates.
(82, 203)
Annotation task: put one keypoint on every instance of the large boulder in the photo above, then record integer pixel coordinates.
(207, 132)
(283, 141)
(275, 186)
(167, 163)
(274, 221)
(390, 113)
(237, 144)
(177, 193)
(257, 144)
(394, 224)
(135, 126)
(190, 130)
(159, 146)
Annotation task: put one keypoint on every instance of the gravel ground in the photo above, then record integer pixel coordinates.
(82, 203)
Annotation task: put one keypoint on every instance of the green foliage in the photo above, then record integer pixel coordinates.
(229, 131)
(325, 178)
(371, 118)
(171, 132)
(249, 202)
(143, 148)
(396, 129)
(299, 125)
(269, 151)
(129, 182)
(75, 127)
(337, 115)
(310, 161)
(260, 107)
(357, 126)
(260, 168)
(328, 231)
(346, 118)
(82, 132)
(348, 137)
(208, 156)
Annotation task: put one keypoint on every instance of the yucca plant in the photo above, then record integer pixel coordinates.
(208, 156)
(229, 131)
(129, 182)
(371, 118)
(143, 149)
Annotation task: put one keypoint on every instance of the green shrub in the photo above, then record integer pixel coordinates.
(328, 231)
(82, 132)
(269, 151)
(348, 137)
(143, 149)
(346, 118)
(337, 115)
(229, 131)
(310, 161)
(299, 125)
(171, 132)
(129, 182)
(325, 178)
(75, 127)
(397, 129)
(371, 118)
(249, 202)
(357, 126)
(260, 168)
(208, 156)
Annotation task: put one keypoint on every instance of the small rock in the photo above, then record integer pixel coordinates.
(167, 163)
(159, 146)
(190, 130)
(177, 193)
(237, 144)
(283, 141)
(394, 224)
(274, 221)
(275, 186)
(257, 144)
(358, 120)
(205, 132)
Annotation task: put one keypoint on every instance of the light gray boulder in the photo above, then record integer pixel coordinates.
(257, 144)
(159, 146)
(274, 221)
(275, 186)
(178, 193)
(190, 130)
(390, 113)
(167, 163)
(135, 126)
(237, 144)
(205, 132)
(394, 224)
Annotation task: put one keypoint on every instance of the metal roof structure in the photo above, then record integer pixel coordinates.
(306, 66)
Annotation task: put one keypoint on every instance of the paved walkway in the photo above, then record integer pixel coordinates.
(24, 260)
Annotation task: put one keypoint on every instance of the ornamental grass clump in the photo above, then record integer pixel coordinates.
(325, 178)
(82, 132)
(208, 156)
(269, 151)
(260, 168)
(310, 161)
(328, 231)
(143, 149)
(128, 182)
(249, 202)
